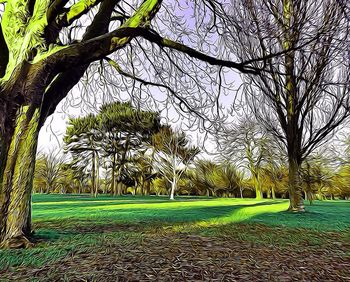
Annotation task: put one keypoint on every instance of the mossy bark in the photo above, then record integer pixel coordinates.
(17, 179)
(293, 131)
(257, 186)
(295, 189)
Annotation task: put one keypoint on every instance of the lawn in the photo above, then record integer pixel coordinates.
(70, 227)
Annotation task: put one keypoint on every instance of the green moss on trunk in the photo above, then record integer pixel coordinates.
(16, 187)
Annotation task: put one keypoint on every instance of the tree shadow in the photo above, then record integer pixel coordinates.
(135, 219)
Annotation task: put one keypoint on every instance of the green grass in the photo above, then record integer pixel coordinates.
(69, 224)
(324, 216)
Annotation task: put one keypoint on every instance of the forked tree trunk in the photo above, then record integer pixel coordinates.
(16, 175)
(295, 189)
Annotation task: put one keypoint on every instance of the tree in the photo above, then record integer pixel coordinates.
(226, 180)
(248, 145)
(125, 128)
(48, 171)
(275, 179)
(82, 141)
(141, 168)
(201, 176)
(217, 179)
(302, 96)
(174, 154)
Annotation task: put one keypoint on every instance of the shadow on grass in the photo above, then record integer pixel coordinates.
(137, 218)
(321, 216)
(75, 230)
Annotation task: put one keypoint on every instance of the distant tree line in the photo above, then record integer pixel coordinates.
(123, 150)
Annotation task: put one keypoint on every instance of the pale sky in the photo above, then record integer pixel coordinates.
(53, 131)
(51, 135)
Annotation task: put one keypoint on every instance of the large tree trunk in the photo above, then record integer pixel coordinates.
(257, 186)
(16, 174)
(293, 130)
(295, 189)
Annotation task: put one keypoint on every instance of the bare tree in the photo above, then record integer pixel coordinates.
(48, 170)
(302, 96)
(247, 145)
(173, 155)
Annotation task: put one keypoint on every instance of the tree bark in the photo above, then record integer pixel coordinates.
(113, 189)
(16, 175)
(273, 193)
(295, 189)
(97, 176)
(173, 189)
(257, 184)
(93, 175)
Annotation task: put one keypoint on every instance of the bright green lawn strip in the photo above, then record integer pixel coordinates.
(321, 216)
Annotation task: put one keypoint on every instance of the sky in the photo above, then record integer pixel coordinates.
(52, 133)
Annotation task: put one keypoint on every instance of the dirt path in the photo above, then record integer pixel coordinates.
(183, 257)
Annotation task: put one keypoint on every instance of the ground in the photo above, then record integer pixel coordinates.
(78, 238)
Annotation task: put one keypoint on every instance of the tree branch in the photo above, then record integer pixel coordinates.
(76, 11)
(64, 82)
(142, 81)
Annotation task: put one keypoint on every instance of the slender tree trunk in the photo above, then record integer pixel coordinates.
(147, 182)
(93, 174)
(173, 189)
(16, 178)
(273, 193)
(119, 183)
(142, 184)
(105, 190)
(113, 189)
(135, 188)
(97, 177)
(241, 192)
(268, 194)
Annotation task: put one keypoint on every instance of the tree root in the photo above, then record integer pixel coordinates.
(295, 210)
(18, 242)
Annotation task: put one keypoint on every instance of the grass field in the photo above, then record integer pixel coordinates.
(72, 225)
